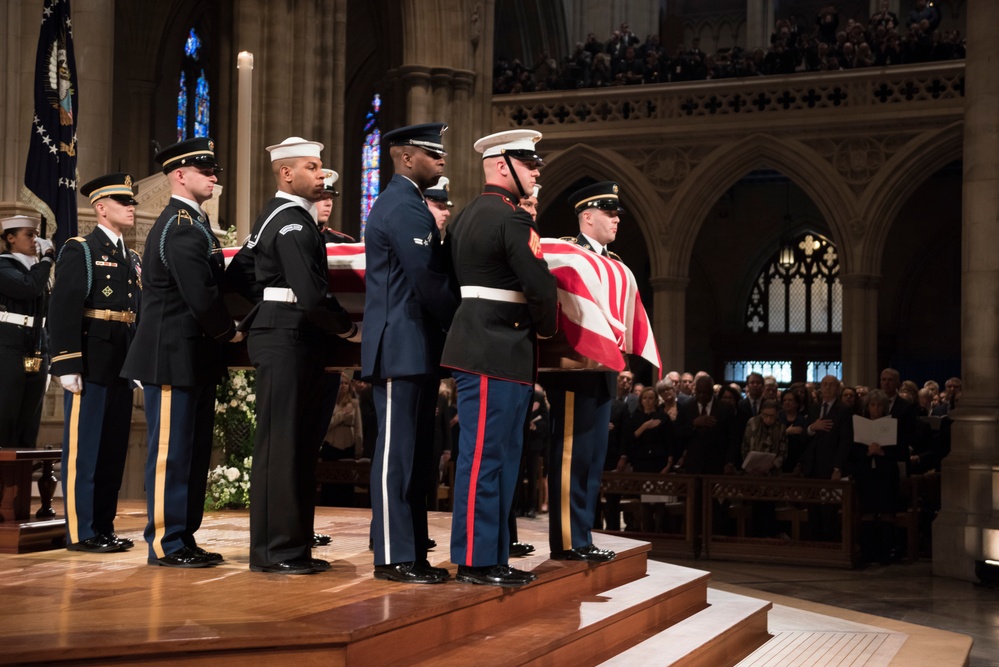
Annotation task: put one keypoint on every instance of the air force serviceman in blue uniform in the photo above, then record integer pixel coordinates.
(91, 323)
(581, 407)
(177, 354)
(409, 303)
(508, 300)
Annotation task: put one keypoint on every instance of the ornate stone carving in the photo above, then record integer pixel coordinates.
(667, 168)
(858, 159)
(475, 26)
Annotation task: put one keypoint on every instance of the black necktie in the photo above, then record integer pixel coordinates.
(121, 249)
(756, 408)
(604, 252)
(825, 410)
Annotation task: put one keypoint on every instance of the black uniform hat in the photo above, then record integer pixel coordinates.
(117, 186)
(197, 152)
(441, 192)
(426, 136)
(603, 195)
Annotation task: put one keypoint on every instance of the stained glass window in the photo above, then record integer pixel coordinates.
(193, 98)
(738, 371)
(370, 161)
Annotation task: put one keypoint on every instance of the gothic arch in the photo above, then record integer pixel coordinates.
(721, 169)
(580, 160)
(897, 180)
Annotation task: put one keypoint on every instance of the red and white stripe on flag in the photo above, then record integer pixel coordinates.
(601, 315)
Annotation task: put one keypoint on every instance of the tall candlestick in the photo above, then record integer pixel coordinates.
(244, 63)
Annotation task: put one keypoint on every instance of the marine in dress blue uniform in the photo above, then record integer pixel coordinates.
(287, 336)
(177, 354)
(25, 267)
(93, 310)
(509, 299)
(581, 407)
(409, 303)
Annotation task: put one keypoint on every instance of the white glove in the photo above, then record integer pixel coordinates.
(71, 383)
(356, 336)
(43, 246)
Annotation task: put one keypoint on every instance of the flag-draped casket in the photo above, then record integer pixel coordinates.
(601, 313)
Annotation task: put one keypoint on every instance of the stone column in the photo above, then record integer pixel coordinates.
(464, 167)
(860, 328)
(415, 81)
(758, 24)
(93, 32)
(669, 319)
(967, 528)
(336, 151)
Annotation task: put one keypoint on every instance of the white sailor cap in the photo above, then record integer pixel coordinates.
(518, 144)
(19, 221)
(293, 147)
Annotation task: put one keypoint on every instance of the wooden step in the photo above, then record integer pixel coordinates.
(728, 630)
(580, 626)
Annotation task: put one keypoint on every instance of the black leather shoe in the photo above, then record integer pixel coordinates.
(185, 557)
(431, 544)
(210, 555)
(293, 566)
(98, 544)
(320, 565)
(409, 573)
(440, 571)
(125, 543)
(494, 575)
(320, 540)
(519, 549)
(587, 553)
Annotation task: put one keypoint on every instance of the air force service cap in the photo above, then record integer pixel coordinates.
(440, 192)
(19, 221)
(518, 144)
(117, 186)
(197, 152)
(603, 195)
(330, 177)
(294, 147)
(426, 136)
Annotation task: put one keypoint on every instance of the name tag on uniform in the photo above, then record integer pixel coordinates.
(291, 228)
(106, 263)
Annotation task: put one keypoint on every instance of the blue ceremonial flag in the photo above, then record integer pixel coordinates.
(50, 175)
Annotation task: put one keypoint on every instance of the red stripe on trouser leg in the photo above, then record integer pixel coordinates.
(480, 437)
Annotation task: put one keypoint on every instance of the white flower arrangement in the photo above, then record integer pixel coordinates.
(229, 486)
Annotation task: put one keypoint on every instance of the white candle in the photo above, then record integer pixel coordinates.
(244, 63)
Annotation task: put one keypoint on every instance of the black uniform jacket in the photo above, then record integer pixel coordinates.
(290, 253)
(494, 243)
(21, 292)
(184, 320)
(94, 348)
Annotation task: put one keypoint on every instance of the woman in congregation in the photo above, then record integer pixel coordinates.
(793, 419)
(876, 472)
(650, 448)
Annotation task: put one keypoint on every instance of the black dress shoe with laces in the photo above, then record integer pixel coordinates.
(125, 543)
(519, 549)
(431, 543)
(587, 553)
(441, 571)
(291, 566)
(98, 544)
(210, 555)
(320, 565)
(494, 575)
(320, 540)
(410, 573)
(185, 557)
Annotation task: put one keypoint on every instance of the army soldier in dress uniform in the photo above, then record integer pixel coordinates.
(581, 407)
(25, 266)
(438, 198)
(324, 208)
(287, 336)
(177, 354)
(508, 300)
(409, 302)
(93, 311)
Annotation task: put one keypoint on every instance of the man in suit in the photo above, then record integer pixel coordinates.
(91, 323)
(708, 433)
(408, 305)
(830, 436)
(287, 337)
(581, 406)
(177, 354)
(749, 407)
(508, 300)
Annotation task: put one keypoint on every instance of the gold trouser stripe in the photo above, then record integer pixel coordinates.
(565, 491)
(72, 522)
(159, 492)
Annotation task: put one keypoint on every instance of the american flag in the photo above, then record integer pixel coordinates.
(601, 315)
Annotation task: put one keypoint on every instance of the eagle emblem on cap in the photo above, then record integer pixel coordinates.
(211, 145)
(128, 181)
(615, 189)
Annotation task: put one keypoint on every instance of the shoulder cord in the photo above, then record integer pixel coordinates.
(87, 259)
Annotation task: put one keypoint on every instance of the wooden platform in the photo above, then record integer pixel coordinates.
(61, 607)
